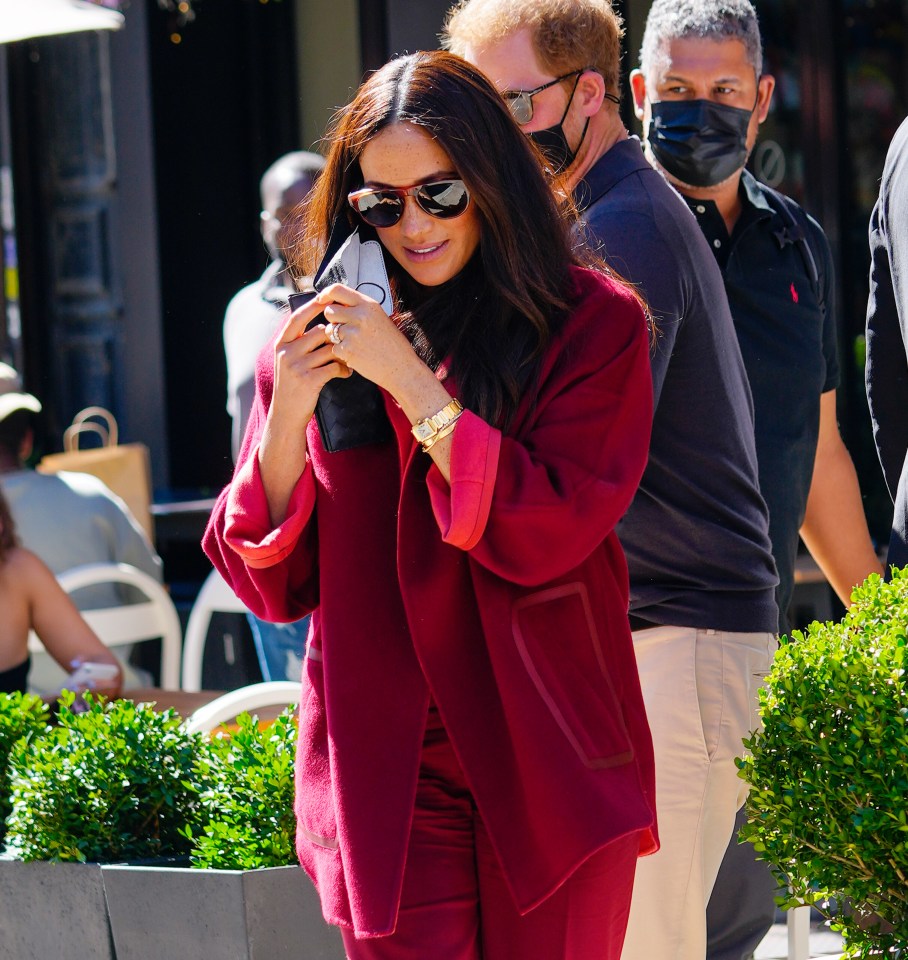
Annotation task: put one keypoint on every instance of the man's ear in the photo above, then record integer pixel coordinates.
(590, 92)
(638, 88)
(27, 445)
(765, 87)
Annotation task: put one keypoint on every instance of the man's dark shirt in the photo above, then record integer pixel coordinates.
(789, 347)
(695, 535)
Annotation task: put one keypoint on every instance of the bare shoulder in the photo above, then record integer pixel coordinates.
(28, 569)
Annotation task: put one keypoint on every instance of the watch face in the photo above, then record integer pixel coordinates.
(422, 431)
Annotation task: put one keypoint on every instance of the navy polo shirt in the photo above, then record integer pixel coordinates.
(696, 535)
(788, 343)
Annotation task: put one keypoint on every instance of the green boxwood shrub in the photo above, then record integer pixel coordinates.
(247, 797)
(113, 783)
(22, 715)
(828, 806)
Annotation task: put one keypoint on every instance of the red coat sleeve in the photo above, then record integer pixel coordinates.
(272, 570)
(532, 507)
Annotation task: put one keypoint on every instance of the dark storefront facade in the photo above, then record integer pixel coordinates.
(136, 162)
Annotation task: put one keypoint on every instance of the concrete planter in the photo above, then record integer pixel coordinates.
(269, 914)
(53, 909)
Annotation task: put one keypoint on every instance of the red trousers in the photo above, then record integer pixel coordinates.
(456, 905)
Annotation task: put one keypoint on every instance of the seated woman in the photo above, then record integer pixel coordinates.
(475, 772)
(31, 599)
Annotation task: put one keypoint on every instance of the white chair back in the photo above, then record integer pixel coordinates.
(272, 693)
(154, 616)
(216, 596)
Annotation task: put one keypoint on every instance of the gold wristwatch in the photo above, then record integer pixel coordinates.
(430, 429)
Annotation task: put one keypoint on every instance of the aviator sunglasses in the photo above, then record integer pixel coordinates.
(520, 102)
(384, 206)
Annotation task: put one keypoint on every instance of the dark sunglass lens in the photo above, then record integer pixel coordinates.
(521, 107)
(447, 198)
(380, 209)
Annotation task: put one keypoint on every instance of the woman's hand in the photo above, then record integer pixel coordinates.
(303, 364)
(368, 341)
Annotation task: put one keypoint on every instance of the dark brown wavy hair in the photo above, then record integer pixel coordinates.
(494, 319)
(8, 537)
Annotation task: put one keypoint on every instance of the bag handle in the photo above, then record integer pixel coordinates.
(72, 433)
(83, 417)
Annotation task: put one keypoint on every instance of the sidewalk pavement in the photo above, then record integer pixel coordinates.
(823, 943)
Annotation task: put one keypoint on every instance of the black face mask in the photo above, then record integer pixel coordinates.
(553, 143)
(699, 142)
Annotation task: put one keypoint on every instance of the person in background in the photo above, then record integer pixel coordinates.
(887, 337)
(31, 599)
(474, 774)
(701, 94)
(253, 317)
(68, 519)
(702, 577)
(257, 312)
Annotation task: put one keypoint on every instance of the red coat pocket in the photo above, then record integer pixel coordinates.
(561, 647)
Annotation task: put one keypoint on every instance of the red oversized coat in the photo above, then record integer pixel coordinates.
(503, 595)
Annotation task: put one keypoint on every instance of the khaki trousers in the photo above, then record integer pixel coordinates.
(700, 690)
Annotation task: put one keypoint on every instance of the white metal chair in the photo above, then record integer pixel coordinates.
(273, 693)
(154, 616)
(216, 596)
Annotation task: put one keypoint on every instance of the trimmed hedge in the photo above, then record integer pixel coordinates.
(828, 806)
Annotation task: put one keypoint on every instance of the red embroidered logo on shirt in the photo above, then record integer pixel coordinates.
(794, 294)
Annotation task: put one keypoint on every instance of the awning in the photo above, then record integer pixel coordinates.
(22, 19)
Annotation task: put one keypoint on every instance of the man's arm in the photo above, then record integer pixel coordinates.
(835, 528)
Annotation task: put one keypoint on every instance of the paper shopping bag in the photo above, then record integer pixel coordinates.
(124, 468)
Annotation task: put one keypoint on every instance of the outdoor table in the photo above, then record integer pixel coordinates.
(186, 702)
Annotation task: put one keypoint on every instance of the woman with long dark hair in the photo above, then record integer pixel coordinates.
(474, 774)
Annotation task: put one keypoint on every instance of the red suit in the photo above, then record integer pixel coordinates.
(503, 596)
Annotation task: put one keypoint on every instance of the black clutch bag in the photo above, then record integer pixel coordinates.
(351, 412)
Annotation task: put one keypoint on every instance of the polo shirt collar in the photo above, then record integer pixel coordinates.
(620, 161)
(752, 197)
(752, 193)
(755, 208)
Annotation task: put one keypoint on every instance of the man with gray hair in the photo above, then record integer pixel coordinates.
(702, 577)
(702, 94)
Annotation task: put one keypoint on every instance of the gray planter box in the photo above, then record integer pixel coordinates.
(53, 909)
(158, 913)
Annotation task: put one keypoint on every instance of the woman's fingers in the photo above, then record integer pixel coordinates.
(299, 320)
(337, 369)
(336, 295)
(305, 342)
(339, 293)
